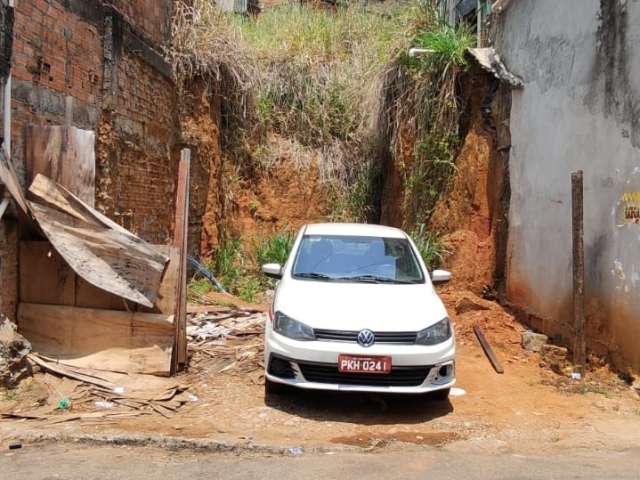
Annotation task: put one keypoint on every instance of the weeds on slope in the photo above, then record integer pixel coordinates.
(432, 247)
(421, 108)
(338, 84)
(239, 271)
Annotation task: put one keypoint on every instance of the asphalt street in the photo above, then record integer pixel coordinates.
(47, 462)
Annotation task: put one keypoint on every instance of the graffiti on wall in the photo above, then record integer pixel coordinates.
(631, 208)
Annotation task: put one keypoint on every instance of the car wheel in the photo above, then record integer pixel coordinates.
(440, 395)
(273, 388)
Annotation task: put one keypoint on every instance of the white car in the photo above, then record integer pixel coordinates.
(355, 310)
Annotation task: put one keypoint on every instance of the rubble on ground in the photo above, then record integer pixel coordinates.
(227, 340)
(90, 395)
(556, 358)
(14, 349)
(533, 341)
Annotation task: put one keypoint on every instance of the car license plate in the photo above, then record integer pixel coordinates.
(360, 364)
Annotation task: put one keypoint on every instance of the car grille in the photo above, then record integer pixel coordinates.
(398, 377)
(402, 338)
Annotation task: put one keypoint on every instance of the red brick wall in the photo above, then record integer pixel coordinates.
(60, 52)
(137, 158)
(56, 49)
(153, 17)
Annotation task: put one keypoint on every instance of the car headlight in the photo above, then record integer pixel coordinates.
(435, 334)
(291, 328)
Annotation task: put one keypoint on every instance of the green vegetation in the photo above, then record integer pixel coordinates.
(234, 270)
(340, 87)
(275, 249)
(421, 102)
(430, 245)
(448, 44)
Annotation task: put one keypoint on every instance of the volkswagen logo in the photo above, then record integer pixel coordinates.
(366, 338)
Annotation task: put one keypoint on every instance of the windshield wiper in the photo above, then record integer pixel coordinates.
(371, 279)
(314, 275)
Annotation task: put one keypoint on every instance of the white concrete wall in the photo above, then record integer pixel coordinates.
(580, 109)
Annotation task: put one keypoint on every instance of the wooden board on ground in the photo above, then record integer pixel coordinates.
(100, 251)
(100, 339)
(488, 350)
(64, 154)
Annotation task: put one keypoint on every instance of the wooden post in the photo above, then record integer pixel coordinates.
(180, 242)
(577, 207)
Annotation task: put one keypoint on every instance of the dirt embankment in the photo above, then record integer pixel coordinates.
(471, 212)
(285, 192)
(280, 189)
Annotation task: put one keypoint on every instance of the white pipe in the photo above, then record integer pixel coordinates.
(6, 114)
(414, 51)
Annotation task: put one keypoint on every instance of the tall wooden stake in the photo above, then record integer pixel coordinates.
(577, 207)
(180, 242)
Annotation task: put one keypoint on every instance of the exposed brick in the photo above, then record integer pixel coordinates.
(60, 49)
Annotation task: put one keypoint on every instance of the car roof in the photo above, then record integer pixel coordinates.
(354, 229)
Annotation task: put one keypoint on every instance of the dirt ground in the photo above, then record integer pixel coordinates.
(529, 405)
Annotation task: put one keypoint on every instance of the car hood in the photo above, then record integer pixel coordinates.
(355, 306)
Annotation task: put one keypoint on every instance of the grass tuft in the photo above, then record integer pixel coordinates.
(431, 246)
(275, 249)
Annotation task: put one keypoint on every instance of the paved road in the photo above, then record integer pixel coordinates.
(86, 463)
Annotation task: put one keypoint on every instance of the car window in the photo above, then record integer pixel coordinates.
(355, 258)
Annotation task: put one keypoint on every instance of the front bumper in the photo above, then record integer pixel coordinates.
(314, 365)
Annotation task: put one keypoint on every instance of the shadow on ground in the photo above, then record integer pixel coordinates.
(361, 408)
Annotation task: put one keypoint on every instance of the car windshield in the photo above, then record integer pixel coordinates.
(357, 259)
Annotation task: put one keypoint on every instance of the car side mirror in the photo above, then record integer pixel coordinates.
(440, 276)
(272, 270)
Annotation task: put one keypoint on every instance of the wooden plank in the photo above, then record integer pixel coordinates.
(488, 350)
(3, 207)
(10, 180)
(90, 296)
(47, 279)
(100, 251)
(100, 339)
(180, 242)
(66, 155)
(44, 276)
(577, 211)
(168, 291)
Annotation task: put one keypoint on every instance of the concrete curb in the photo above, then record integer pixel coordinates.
(170, 443)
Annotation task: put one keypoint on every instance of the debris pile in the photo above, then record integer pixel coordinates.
(14, 349)
(90, 395)
(226, 340)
